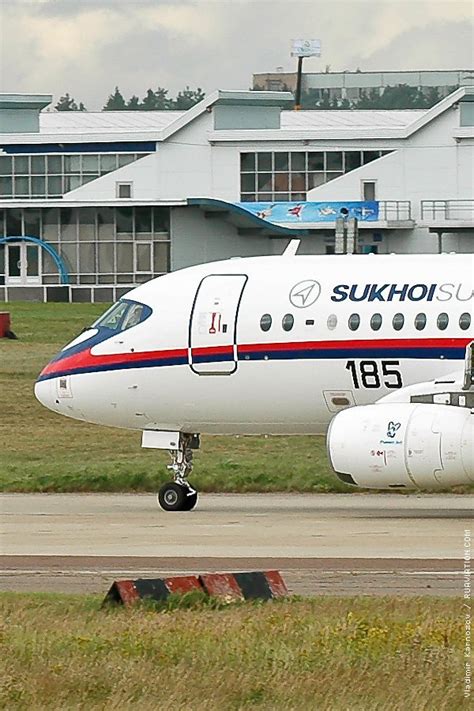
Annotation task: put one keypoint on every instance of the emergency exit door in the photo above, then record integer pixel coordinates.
(213, 327)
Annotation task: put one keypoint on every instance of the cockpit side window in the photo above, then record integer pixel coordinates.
(133, 316)
(123, 315)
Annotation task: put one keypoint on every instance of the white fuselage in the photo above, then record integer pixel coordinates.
(272, 345)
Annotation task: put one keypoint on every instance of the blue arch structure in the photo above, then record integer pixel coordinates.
(63, 272)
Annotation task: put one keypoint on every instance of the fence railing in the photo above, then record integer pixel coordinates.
(447, 209)
(395, 210)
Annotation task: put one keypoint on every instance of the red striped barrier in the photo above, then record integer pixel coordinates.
(222, 585)
(245, 586)
(127, 592)
(229, 587)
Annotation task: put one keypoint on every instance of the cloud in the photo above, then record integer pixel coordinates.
(88, 47)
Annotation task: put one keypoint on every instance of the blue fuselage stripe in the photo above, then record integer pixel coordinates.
(416, 353)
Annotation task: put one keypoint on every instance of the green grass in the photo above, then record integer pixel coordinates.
(361, 654)
(42, 451)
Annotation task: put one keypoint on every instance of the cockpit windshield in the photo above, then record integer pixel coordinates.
(123, 315)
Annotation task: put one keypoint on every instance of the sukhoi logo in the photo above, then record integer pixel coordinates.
(304, 293)
(402, 292)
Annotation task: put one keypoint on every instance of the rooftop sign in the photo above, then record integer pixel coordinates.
(305, 48)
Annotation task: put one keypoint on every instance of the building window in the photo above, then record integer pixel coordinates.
(124, 190)
(99, 245)
(368, 190)
(50, 176)
(270, 176)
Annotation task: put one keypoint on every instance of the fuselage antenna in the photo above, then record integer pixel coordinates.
(291, 248)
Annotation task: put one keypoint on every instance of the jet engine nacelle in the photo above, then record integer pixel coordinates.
(403, 445)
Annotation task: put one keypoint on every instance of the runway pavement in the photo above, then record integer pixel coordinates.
(324, 543)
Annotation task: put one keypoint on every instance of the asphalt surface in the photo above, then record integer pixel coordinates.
(323, 544)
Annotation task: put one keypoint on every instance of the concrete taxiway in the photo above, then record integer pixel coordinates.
(329, 543)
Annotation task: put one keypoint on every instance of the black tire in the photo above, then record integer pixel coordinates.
(191, 501)
(172, 497)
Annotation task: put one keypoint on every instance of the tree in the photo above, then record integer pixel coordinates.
(115, 102)
(133, 104)
(156, 100)
(324, 102)
(432, 97)
(371, 100)
(67, 103)
(188, 97)
(401, 96)
(163, 103)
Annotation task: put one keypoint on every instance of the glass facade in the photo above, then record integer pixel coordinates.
(99, 245)
(50, 176)
(288, 175)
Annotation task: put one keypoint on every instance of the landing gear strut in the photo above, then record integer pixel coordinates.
(179, 495)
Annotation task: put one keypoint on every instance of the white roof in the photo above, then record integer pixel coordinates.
(349, 119)
(295, 125)
(105, 121)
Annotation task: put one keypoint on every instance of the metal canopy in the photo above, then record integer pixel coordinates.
(246, 223)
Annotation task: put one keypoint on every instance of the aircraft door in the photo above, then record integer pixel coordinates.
(213, 326)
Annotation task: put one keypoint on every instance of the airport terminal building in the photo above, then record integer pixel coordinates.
(92, 204)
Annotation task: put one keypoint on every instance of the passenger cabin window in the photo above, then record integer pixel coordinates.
(465, 321)
(287, 322)
(398, 322)
(420, 321)
(443, 320)
(266, 322)
(354, 322)
(332, 322)
(376, 322)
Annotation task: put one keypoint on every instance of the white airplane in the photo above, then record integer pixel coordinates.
(377, 347)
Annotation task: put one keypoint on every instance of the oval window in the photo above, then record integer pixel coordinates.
(376, 322)
(332, 322)
(266, 322)
(287, 322)
(443, 320)
(398, 322)
(354, 322)
(420, 321)
(465, 321)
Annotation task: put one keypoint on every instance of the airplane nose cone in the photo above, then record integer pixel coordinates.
(45, 393)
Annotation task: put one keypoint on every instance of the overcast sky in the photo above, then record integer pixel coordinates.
(86, 47)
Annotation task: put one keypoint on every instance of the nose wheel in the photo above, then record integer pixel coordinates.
(179, 495)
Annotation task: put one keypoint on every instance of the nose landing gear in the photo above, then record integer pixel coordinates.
(179, 495)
